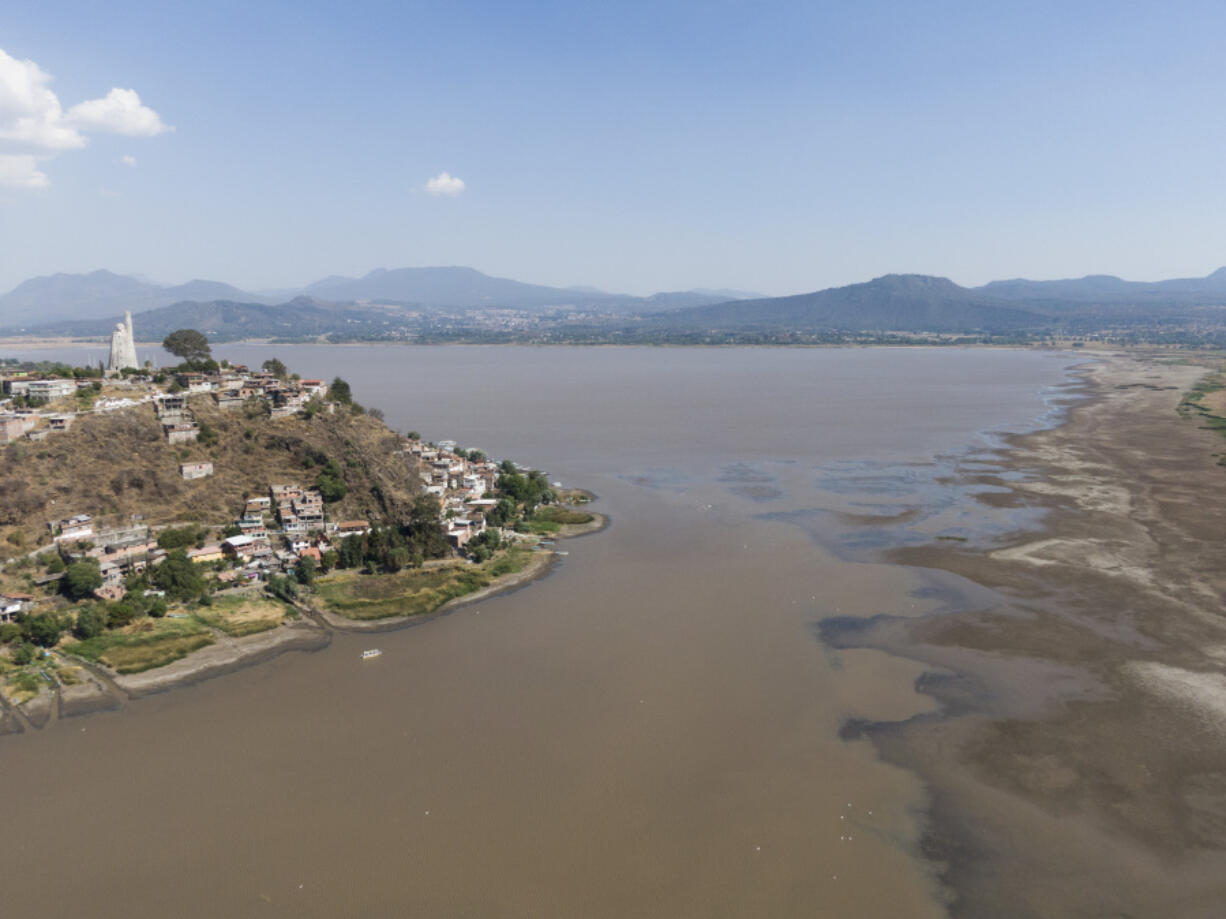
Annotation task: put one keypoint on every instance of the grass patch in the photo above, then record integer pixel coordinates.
(242, 615)
(562, 516)
(538, 527)
(550, 519)
(23, 685)
(1193, 404)
(1193, 400)
(144, 645)
(413, 592)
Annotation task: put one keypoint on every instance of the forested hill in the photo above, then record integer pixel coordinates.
(909, 302)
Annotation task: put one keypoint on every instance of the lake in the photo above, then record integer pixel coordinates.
(651, 730)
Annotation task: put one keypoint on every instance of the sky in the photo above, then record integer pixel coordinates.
(775, 147)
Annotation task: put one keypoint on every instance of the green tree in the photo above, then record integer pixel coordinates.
(283, 588)
(179, 577)
(331, 482)
(120, 614)
(178, 537)
(90, 622)
(43, 630)
(23, 653)
(424, 528)
(276, 368)
(305, 571)
(188, 344)
(82, 578)
(340, 392)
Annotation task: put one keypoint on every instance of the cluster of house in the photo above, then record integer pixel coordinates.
(30, 422)
(461, 483)
(291, 512)
(230, 386)
(120, 551)
(274, 532)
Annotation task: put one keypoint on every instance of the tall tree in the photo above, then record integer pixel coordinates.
(188, 344)
(340, 392)
(82, 578)
(276, 368)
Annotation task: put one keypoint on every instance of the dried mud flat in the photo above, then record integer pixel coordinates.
(1078, 767)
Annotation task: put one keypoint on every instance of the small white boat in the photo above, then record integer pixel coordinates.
(372, 653)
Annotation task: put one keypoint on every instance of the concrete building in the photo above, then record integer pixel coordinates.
(195, 470)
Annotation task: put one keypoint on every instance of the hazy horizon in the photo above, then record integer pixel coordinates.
(282, 288)
(648, 147)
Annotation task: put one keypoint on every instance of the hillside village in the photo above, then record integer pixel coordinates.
(242, 497)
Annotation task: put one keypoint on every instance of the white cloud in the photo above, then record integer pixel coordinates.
(119, 112)
(445, 184)
(31, 120)
(34, 126)
(128, 160)
(109, 193)
(20, 170)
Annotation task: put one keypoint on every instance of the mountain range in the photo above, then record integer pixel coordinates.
(103, 294)
(1108, 289)
(911, 302)
(425, 303)
(99, 294)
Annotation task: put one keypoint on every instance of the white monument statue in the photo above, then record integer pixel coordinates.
(123, 346)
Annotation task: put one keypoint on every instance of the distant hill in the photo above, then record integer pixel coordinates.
(97, 294)
(228, 320)
(451, 288)
(908, 302)
(449, 304)
(1105, 289)
(64, 297)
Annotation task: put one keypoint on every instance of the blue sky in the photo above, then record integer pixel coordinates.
(776, 147)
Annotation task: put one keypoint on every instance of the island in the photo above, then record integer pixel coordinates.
(159, 526)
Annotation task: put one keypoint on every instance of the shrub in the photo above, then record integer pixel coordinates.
(90, 622)
(82, 578)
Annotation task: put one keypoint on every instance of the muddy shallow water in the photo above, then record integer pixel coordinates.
(657, 728)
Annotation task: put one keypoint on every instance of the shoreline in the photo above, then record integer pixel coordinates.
(103, 689)
(1090, 349)
(1080, 712)
(541, 565)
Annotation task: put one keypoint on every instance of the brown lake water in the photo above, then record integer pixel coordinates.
(651, 730)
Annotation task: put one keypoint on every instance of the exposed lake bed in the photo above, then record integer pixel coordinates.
(801, 672)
